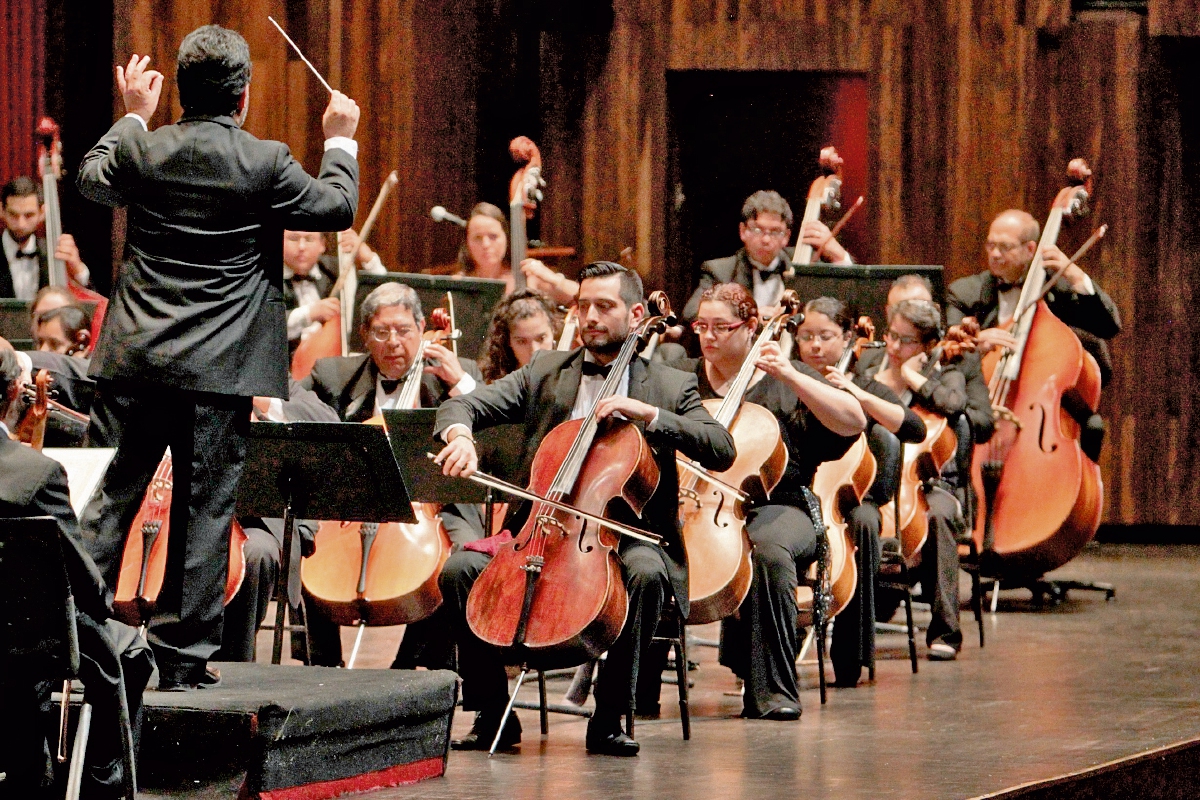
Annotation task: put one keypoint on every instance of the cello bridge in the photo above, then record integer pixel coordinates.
(548, 521)
(533, 563)
(689, 494)
(1003, 414)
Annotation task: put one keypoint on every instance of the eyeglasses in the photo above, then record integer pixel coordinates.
(384, 334)
(767, 233)
(718, 328)
(824, 337)
(897, 338)
(1003, 247)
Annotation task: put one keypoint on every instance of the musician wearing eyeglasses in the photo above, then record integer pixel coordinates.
(822, 340)
(819, 422)
(764, 262)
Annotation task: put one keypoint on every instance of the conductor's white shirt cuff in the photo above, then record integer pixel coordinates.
(345, 143)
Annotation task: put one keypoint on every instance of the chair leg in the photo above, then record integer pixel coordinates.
(821, 635)
(977, 603)
(125, 728)
(912, 636)
(544, 712)
(507, 710)
(78, 751)
(681, 667)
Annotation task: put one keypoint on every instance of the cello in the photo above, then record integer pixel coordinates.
(379, 574)
(824, 193)
(524, 193)
(842, 484)
(925, 460)
(144, 560)
(332, 339)
(1041, 494)
(554, 596)
(711, 504)
(50, 170)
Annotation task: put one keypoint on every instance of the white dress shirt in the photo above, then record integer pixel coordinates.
(23, 265)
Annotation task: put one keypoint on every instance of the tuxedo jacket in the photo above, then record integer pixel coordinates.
(542, 394)
(731, 269)
(324, 282)
(347, 384)
(198, 303)
(32, 485)
(6, 281)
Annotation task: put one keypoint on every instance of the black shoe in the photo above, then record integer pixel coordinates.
(210, 678)
(614, 744)
(783, 714)
(483, 732)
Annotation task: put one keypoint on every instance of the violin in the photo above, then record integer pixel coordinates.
(711, 505)
(554, 596)
(925, 460)
(841, 486)
(825, 193)
(50, 169)
(144, 560)
(1041, 496)
(32, 428)
(382, 573)
(524, 193)
(333, 337)
(42, 414)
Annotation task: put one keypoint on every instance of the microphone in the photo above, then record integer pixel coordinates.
(440, 214)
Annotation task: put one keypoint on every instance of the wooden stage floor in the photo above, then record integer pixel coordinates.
(1056, 690)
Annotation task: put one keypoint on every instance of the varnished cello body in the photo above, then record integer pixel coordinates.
(920, 461)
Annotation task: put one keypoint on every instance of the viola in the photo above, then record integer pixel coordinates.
(524, 193)
(926, 459)
(824, 193)
(144, 560)
(32, 428)
(333, 337)
(50, 169)
(842, 484)
(1041, 497)
(711, 505)
(555, 596)
(382, 573)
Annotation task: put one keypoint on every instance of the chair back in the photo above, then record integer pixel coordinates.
(887, 451)
(37, 611)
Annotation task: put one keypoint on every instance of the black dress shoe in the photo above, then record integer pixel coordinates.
(483, 732)
(783, 714)
(210, 678)
(614, 744)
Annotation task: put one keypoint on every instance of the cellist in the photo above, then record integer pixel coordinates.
(362, 386)
(822, 340)
(818, 423)
(549, 390)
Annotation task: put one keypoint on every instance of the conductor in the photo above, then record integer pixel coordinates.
(196, 324)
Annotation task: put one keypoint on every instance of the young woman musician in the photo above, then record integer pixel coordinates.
(818, 423)
(822, 340)
(485, 252)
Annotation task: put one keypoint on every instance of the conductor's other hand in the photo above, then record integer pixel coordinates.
(140, 87)
(340, 117)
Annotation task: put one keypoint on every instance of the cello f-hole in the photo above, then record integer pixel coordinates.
(717, 513)
(1042, 430)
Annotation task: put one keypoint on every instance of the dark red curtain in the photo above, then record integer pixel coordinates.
(22, 58)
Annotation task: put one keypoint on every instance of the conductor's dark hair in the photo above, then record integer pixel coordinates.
(212, 70)
(20, 186)
(831, 307)
(631, 283)
(10, 373)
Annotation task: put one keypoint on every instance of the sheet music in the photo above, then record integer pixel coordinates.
(85, 467)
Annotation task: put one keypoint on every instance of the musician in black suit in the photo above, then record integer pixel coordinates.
(991, 296)
(26, 259)
(764, 262)
(33, 485)
(360, 387)
(552, 388)
(309, 275)
(195, 327)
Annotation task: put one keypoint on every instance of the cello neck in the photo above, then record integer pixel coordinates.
(745, 377)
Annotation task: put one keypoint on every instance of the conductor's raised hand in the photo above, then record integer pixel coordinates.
(140, 87)
(340, 117)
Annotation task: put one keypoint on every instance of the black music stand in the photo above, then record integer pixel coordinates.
(862, 287)
(319, 470)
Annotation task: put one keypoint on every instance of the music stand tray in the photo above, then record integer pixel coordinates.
(319, 470)
(862, 287)
(411, 434)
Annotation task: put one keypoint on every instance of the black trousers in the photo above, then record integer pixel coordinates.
(485, 686)
(206, 434)
(109, 653)
(760, 643)
(939, 567)
(853, 645)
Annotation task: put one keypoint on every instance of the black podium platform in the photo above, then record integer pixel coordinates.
(284, 733)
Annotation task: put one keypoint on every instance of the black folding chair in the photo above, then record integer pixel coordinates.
(41, 640)
(893, 569)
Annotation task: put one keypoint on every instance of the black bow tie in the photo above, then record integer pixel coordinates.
(30, 254)
(779, 268)
(390, 386)
(592, 369)
(296, 276)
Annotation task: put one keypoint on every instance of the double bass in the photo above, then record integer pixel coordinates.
(524, 193)
(824, 193)
(382, 573)
(50, 169)
(711, 505)
(842, 484)
(926, 459)
(1041, 496)
(554, 596)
